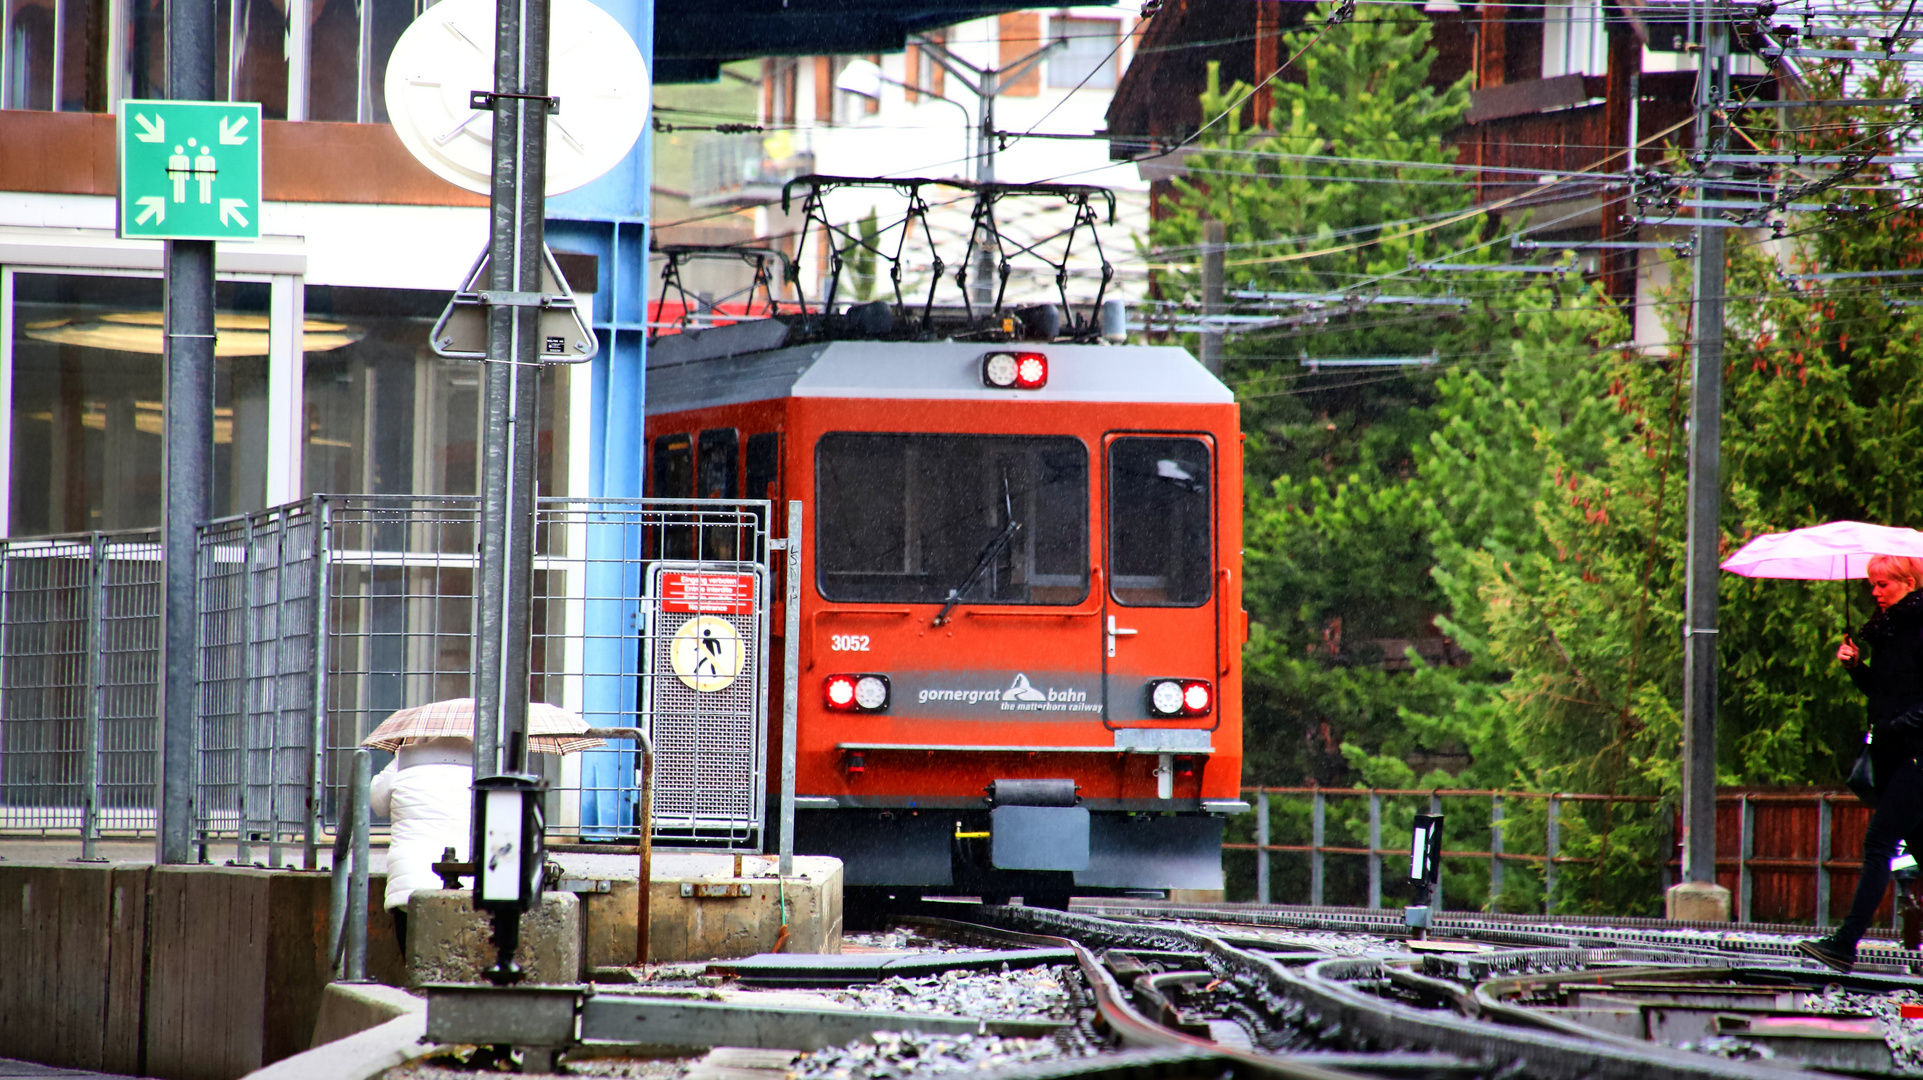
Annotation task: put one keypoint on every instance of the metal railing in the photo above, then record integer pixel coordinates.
(323, 617)
(1496, 857)
(1838, 821)
(348, 900)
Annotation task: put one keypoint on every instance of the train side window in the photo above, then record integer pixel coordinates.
(674, 479)
(1159, 527)
(673, 467)
(717, 464)
(764, 465)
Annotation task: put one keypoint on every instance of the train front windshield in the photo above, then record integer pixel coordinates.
(910, 518)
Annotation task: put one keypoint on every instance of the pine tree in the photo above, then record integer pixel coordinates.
(1347, 180)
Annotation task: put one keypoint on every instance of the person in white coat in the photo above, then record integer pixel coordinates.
(427, 794)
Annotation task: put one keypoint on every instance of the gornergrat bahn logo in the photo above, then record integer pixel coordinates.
(942, 693)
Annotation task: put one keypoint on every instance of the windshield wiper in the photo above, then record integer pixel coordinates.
(986, 558)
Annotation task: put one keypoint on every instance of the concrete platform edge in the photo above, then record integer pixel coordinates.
(348, 1009)
(361, 1056)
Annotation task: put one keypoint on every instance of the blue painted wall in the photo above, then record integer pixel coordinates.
(608, 219)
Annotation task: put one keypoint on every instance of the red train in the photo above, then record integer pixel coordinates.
(1021, 617)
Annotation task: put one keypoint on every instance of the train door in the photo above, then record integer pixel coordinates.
(1161, 590)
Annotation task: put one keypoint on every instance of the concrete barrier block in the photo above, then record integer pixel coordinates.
(59, 1003)
(1697, 901)
(88, 986)
(732, 906)
(351, 1008)
(699, 909)
(450, 942)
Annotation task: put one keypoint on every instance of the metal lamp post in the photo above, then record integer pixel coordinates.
(986, 84)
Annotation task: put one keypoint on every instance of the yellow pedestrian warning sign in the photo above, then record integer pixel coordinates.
(706, 654)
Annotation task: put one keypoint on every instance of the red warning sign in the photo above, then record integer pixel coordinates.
(707, 594)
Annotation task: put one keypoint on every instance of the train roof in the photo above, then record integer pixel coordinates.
(935, 370)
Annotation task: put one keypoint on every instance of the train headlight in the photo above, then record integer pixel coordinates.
(1180, 697)
(1165, 698)
(871, 693)
(1015, 370)
(856, 693)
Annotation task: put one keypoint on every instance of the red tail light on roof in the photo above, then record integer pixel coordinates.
(1015, 370)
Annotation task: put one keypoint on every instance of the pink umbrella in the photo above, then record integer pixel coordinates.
(1840, 549)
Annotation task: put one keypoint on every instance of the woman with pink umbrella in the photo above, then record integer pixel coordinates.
(1892, 677)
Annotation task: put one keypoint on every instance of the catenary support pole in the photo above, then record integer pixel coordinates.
(188, 452)
(511, 386)
(1214, 260)
(1705, 487)
(986, 84)
(510, 391)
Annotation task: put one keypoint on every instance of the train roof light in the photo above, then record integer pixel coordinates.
(1015, 370)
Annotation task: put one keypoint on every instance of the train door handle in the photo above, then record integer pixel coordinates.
(1114, 632)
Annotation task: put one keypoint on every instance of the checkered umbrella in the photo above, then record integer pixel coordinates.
(550, 728)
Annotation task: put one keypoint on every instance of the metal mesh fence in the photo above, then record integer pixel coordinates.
(79, 683)
(258, 577)
(399, 632)
(647, 613)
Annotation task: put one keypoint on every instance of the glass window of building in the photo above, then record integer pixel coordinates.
(88, 416)
(385, 416)
(1089, 60)
(61, 54)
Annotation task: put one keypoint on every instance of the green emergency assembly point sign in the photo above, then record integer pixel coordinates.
(189, 170)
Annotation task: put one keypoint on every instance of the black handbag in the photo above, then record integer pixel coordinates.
(1863, 779)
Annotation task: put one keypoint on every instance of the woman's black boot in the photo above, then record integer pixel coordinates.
(1830, 951)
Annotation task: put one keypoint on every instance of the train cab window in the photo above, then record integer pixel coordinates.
(717, 464)
(764, 465)
(907, 518)
(673, 467)
(1159, 528)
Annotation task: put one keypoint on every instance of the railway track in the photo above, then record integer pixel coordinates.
(1184, 990)
(1131, 991)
